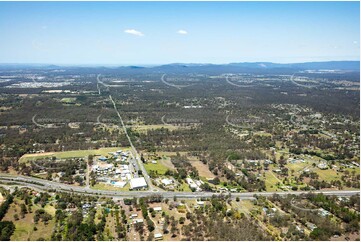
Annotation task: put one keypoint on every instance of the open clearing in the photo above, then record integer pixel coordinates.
(327, 175)
(201, 168)
(271, 181)
(103, 186)
(297, 167)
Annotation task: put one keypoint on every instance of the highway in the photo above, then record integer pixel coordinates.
(292, 79)
(234, 84)
(46, 185)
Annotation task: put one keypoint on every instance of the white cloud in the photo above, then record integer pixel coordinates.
(355, 42)
(133, 32)
(182, 31)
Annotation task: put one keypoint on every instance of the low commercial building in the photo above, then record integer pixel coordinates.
(138, 183)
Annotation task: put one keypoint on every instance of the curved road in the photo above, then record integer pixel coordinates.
(173, 85)
(234, 84)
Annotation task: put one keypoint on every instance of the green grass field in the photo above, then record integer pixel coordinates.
(160, 168)
(327, 175)
(70, 154)
(297, 167)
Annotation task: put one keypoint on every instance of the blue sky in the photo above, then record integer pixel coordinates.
(121, 33)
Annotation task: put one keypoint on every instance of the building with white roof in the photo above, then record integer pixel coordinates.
(137, 220)
(138, 183)
(158, 236)
(166, 181)
(157, 209)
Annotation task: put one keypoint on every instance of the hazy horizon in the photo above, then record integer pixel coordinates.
(154, 33)
(173, 63)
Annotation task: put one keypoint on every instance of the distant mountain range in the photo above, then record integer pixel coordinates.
(231, 67)
(329, 65)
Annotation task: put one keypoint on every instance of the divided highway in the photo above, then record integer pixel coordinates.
(45, 185)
